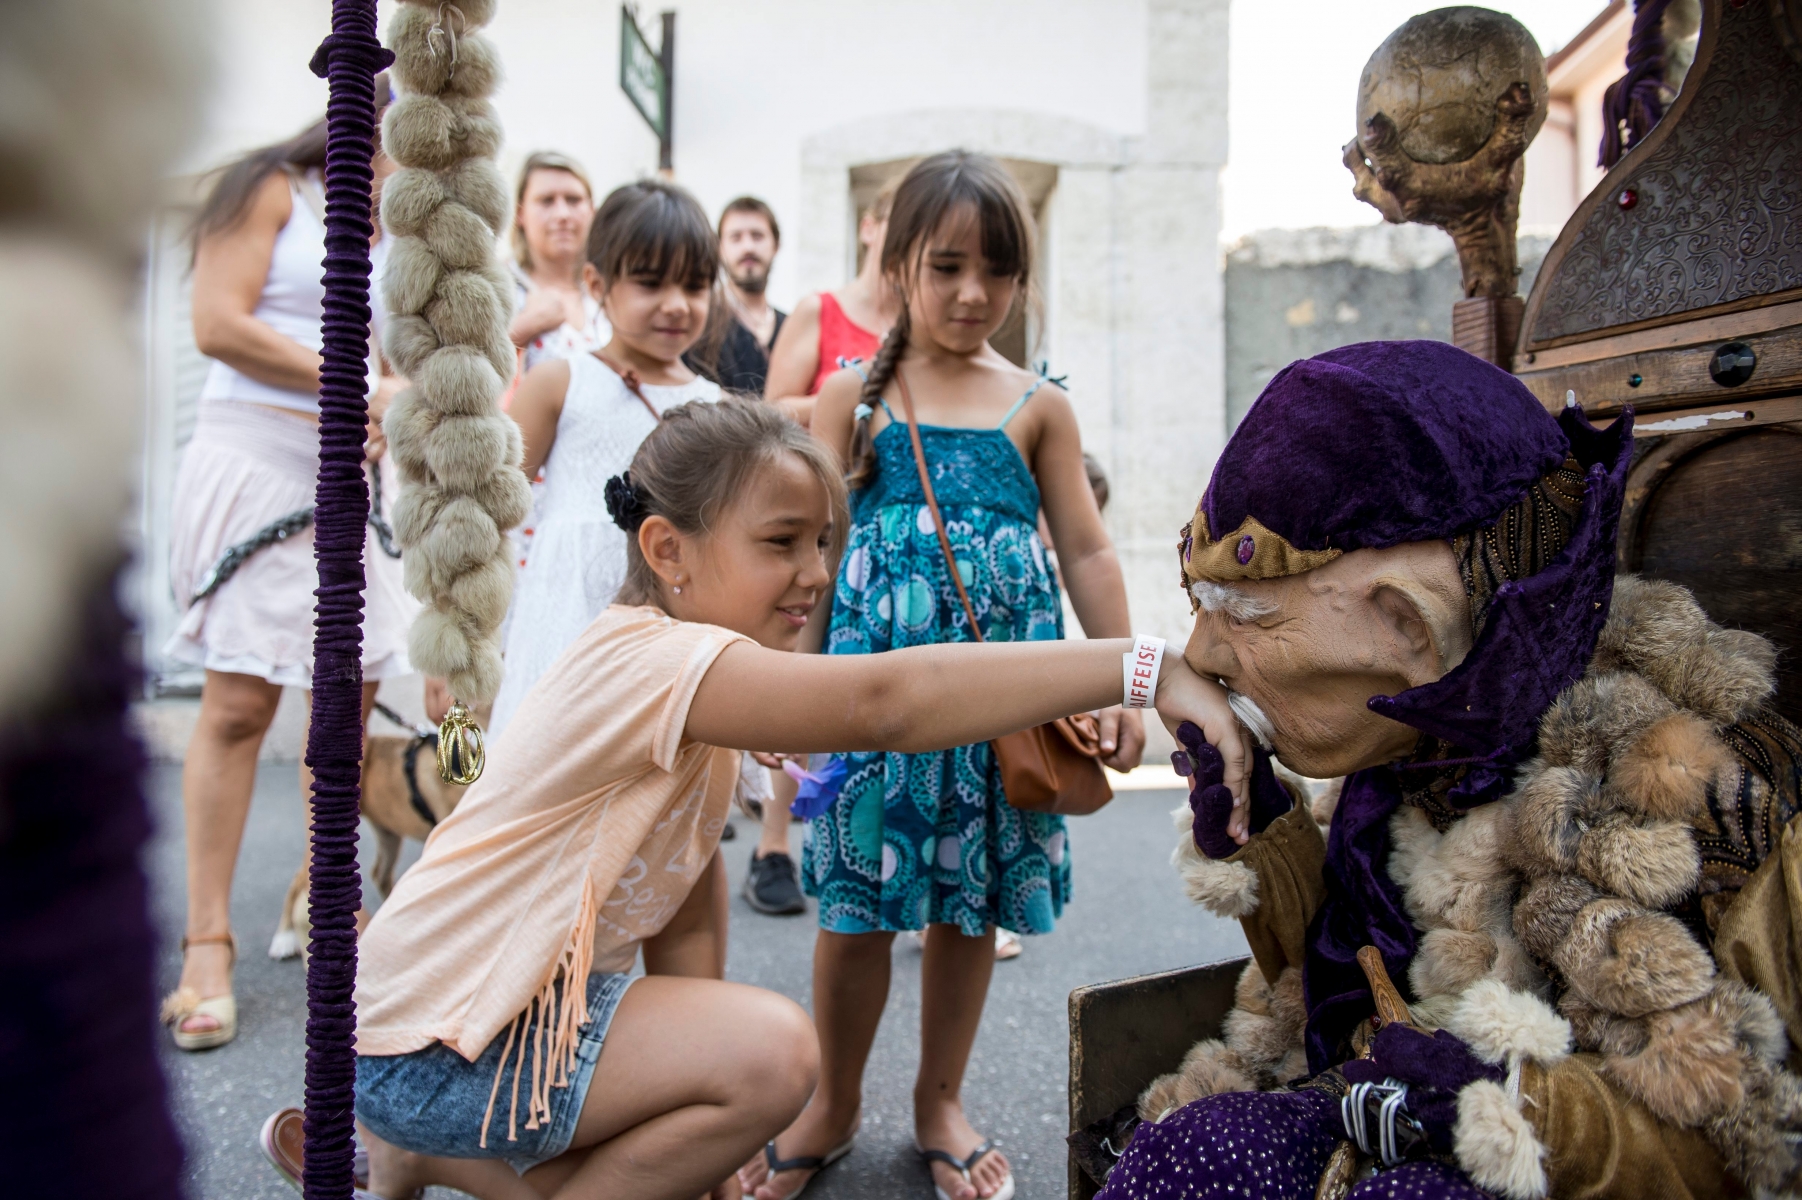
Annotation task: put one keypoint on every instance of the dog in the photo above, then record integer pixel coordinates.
(403, 797)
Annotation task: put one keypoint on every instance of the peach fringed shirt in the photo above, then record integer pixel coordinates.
(592, 793)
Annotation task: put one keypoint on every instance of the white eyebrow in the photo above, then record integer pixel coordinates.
(1220, 597)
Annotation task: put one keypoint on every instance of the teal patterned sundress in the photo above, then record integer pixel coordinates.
(918, 839)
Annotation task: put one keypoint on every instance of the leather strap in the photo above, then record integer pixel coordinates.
(932, 505)
(217, 939)
(629, 377)
(409, 763)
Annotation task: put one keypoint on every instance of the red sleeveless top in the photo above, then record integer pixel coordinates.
(840, 337)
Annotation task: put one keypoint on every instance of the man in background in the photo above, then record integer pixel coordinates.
(749, 239)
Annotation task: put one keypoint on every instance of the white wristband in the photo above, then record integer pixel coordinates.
(1139, 668)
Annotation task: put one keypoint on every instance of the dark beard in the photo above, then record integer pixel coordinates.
(751, 284)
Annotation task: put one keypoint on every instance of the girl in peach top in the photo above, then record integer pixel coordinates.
(593, 837)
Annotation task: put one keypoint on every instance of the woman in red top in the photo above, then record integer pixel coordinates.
(828, 326)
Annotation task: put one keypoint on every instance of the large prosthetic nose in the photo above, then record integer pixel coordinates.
(1212, 657)
(1211, 801)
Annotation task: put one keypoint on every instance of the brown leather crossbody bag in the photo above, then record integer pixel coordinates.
(1051, 768)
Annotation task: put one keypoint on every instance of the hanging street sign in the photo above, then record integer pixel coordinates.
(647, 76)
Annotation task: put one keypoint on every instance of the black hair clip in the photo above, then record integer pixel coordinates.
(625, 504)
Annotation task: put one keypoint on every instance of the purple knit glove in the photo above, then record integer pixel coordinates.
(1435, 1066)
(1210, 799)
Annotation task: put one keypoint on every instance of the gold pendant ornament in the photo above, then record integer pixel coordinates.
(460, 753)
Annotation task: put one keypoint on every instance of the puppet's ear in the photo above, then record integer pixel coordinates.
(1418, 597)
(1431, 632)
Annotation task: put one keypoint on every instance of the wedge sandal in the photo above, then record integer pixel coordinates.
(184, 1003)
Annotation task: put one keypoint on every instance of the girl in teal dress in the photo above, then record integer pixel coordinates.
(929, 841)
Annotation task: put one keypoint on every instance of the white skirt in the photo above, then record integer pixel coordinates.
(246, 467)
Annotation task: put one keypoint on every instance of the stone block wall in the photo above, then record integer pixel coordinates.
(1293, 293)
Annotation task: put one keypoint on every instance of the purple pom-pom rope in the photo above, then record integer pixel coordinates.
(350, 59)
(1634, 97)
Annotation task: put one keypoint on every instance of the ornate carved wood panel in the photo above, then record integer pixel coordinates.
(1705, 214)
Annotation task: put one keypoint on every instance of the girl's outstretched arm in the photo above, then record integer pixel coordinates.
(936, 697)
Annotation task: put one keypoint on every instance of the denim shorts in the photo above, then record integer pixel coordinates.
(433, 1101)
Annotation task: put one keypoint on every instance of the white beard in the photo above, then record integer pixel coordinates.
(1247, 710)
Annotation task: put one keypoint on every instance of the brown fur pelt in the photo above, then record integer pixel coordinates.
(458, 454)
(1601, 830)
(1260, 1047)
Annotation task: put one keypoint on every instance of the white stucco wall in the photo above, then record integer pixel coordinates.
(754, 79)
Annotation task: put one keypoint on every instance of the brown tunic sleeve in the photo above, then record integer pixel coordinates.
(1759, 939)
(1288, 858)
(1605, 1146)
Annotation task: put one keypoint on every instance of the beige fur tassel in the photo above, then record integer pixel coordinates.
(458, 454)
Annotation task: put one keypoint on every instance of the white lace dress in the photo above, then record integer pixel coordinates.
(577, 558)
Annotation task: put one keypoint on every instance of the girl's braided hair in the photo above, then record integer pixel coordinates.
(932, 190)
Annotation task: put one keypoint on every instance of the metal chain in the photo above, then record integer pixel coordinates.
(283, 528)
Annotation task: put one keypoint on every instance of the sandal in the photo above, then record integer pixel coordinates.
(804, 1162)
(963, 1165)
(185, 1002)
(283, 1142)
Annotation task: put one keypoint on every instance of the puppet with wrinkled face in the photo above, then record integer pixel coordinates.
(1561, 815)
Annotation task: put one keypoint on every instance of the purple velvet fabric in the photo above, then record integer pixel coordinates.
(1211, 802)
(83, 1106)
(1634, 97)
(1380, 443)
(1536, 642)
(350, 57)
(1419, 1181)
(1272, 1145)
(1267, 1145)
(1435, 1066)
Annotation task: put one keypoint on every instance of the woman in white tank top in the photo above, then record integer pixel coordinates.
(258, 306)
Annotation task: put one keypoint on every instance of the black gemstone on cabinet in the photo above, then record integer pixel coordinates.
(1732, 364)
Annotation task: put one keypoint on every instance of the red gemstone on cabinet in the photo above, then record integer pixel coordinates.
(1628, 198)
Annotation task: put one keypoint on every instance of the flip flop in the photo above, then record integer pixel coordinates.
(963, 1165)
(804, 1162)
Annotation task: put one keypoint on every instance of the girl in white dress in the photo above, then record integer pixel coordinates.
(652, 258)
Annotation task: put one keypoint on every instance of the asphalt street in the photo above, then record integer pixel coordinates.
(1128, 916)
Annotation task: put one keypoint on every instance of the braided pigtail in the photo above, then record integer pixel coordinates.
(458, 454)
(863, 444)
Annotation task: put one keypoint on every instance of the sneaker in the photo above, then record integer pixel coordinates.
(773, 885)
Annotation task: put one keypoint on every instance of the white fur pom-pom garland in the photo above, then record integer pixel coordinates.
(457, 453)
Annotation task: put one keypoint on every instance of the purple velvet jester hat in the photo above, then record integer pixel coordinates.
(1381, 443)
(1369, 445)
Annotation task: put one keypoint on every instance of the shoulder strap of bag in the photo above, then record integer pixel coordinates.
(932, 505)
(629, 377)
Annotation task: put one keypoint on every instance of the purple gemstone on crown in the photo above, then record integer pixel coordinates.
(1246, 548)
